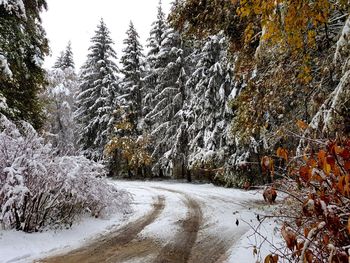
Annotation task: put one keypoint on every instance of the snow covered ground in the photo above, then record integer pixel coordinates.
(219, 218)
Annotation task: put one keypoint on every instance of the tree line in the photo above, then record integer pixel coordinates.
(211, 96)
(163, 114)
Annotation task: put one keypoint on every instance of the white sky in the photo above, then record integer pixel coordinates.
(76, 21)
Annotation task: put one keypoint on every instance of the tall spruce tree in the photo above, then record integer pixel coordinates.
(208, 112)
(132, 70)
(159, 27)
(125, 149)
(23, 45)
(99, 88)
(169, 95)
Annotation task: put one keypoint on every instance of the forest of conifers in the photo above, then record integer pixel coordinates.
(238, 92)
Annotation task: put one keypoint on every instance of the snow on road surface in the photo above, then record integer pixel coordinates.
(172, 222)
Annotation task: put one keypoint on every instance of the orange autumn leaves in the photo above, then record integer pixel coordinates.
(331, 165)
(321, 228)
(268, 164)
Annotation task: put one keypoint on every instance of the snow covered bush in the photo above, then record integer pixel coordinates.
(38, 189)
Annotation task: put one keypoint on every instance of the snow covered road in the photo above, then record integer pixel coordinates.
(173, 222)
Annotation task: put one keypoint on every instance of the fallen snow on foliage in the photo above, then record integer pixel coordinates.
(14, 6)
(4, 66)
(343, 42)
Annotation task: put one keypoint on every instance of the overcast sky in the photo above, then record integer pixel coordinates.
(76, 21)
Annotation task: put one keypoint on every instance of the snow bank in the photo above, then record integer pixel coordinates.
(16, 246)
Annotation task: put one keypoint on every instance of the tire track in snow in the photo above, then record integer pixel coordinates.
(190, 246)
(106, 249)
(179, 249)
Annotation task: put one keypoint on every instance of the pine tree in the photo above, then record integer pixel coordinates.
(65, 59)
(68, 61)
(99, 88)
(155, 40)
(156, 34)
(126, 148)
(59, 60)
(132, 69)
(210, 87)
(169, 95)
(21, 72)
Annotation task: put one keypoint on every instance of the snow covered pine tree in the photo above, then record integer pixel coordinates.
(207, 106)
(154, 42)
(99, 88)
(65, 60)
(126, 149)
(21, 73)
(166, 117)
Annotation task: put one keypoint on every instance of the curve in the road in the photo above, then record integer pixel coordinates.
(106, 249)
(187, 246)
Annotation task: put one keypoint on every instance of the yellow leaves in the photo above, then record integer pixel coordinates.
(319, 18)
(249, 33)
(304, 75)
(325, 162)
(326, 168)
(292, 25)
(133, 150)
(124, 125)
(243, 12)
(271, 259)
(311, 38)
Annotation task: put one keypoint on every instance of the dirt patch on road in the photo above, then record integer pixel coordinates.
(112, 248)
